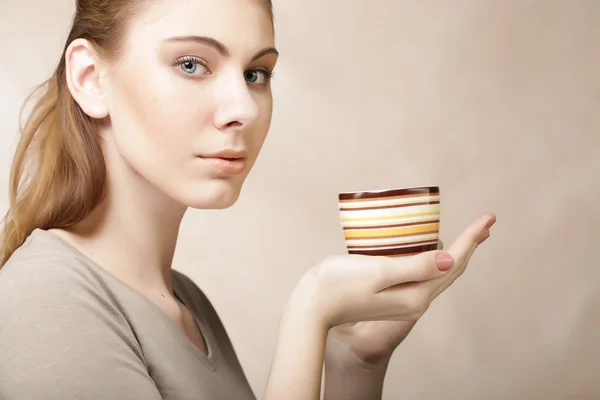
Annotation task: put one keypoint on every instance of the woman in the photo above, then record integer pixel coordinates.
(156, 107)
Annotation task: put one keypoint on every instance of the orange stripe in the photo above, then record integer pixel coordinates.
(376, 239)
(394, 232)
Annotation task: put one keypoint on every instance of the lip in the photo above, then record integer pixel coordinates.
(227, 162)
(226, 154)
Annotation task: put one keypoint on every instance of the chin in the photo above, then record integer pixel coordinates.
(215, 196)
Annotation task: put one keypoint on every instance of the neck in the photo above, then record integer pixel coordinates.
(133, 232)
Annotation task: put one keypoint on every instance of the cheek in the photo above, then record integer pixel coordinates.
(265, 104)
(152, 122)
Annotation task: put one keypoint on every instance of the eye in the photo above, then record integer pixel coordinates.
(192, 66)
(258, 76)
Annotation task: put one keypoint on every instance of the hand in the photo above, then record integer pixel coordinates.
(351, 289)
(370, 343)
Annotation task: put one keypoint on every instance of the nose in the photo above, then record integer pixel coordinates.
(236, 108)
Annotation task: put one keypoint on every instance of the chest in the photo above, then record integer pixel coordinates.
(184, 370)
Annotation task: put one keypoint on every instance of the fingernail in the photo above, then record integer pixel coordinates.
(491, 222)
(444, 261)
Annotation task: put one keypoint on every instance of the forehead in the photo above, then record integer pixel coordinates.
(243, 25)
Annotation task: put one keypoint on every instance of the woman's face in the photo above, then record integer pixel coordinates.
(190, 100)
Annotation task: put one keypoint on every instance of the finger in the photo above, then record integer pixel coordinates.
(421, 267)
(464, 246)
(485, 236)
(429, 266)
(467, 243)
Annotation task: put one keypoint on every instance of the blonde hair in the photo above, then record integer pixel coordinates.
(58, 175)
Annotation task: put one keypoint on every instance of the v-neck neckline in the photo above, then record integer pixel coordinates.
(208, 358)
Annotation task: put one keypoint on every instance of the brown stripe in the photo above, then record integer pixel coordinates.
(390, 252)
(408, 244)
(404, 196)
(433, 221)
(422, 203)
(392, 192)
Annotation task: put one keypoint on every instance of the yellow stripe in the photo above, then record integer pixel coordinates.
(408, 230)
(393, 217)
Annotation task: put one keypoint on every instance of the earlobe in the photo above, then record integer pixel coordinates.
(84, 78)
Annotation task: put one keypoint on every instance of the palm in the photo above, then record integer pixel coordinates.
(370, 341)
(373, 342)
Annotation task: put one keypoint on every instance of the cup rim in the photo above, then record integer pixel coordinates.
(348, 195)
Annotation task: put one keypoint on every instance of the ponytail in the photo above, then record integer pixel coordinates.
(58, 172)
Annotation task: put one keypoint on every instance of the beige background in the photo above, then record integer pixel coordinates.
(496, 101)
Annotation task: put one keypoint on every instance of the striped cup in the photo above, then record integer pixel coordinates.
(394, 223)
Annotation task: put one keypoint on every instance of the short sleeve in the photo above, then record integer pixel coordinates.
(63, 337)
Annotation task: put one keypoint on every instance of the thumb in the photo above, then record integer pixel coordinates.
(420, 267)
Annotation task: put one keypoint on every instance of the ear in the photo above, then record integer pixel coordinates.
(84, 78)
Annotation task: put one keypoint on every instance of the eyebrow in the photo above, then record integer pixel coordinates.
(220, 47)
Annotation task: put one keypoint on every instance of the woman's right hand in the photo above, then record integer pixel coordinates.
(351, 288)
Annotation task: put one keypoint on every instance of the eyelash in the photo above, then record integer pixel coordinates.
(180, 61)
(195, 60)
(268, 74)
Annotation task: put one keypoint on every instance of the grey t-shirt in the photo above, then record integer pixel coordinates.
(71, 330)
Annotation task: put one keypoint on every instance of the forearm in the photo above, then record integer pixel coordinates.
(354, 382)
(298, 362)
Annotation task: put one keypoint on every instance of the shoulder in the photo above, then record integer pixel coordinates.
(61, 328)
(47, 288)
(43, 291)
(42, 276)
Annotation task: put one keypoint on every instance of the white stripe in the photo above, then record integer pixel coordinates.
(391, 212)
(380, 222)
(391, 241)
(388, 202)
